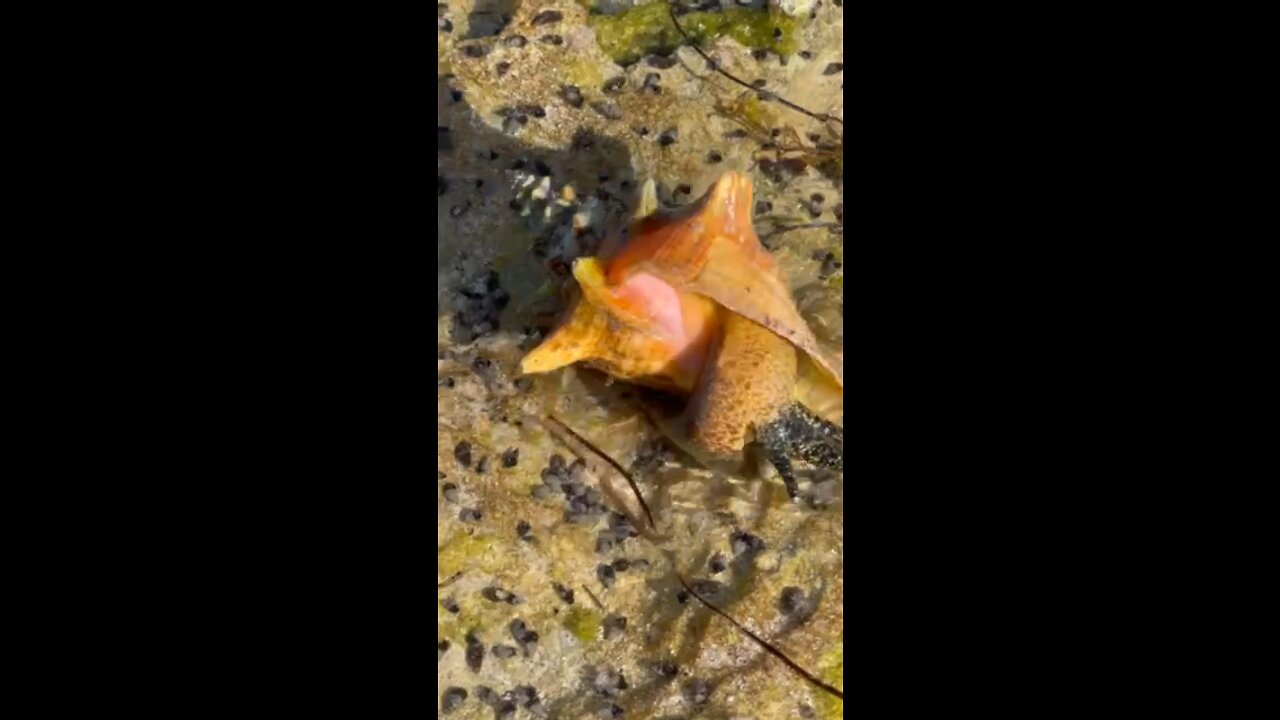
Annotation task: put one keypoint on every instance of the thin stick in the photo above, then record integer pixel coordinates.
(595, 599)
(614, 463)
(715, 66)
(795, 667)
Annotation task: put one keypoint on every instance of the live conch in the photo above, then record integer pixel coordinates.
(691, 303)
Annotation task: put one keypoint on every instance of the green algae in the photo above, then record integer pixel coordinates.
(832, 674)
(466, 552)
(584, 624)
(648, 29)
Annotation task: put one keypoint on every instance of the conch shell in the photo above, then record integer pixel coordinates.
(652, 311)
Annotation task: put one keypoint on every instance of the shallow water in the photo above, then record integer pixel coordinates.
(513, 537)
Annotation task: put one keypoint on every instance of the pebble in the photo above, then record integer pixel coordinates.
(669, 137)
(697, 692)
(763, 207)
(662, 62)
(475, 51)
(614, 85)
(668, 669)
(470, 515)
(452, 699)
(524, 530)
(621, 527)
(572, 95)
(833, 69)
(486, 695)
(829, 266)
(535, 110)
(442, 647)
(714, 157)
(791, 600)
(565, 594)
(652, 84)
(738, 134)
(806, 55)
(444, 25)
(497, 594)
(503, 652)
(522, 634)
(511, 457)
(475, 652)
(479, 304)
(526, 695)
(462, 453)
(614, 625)
(606, 575)
(744, 542)
(717, 564)
(503, 67)
(783, 170)
(450, 492)
(622, 564)
(548, 17)
(839, 211)
(609, 682)
(607, 109)
(515, 41)
(482, 467)
(552, 39)
(450, 605)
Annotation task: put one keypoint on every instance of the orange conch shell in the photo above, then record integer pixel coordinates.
(607, 330)
(708, 257)
(711, 249)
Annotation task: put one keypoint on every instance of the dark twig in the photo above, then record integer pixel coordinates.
(795, 667)
(820, 117)
(613, 463)
(595, 599)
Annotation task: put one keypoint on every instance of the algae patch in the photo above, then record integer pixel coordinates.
(832, 674)
(648, 29)
(465, 552)
(584, 624)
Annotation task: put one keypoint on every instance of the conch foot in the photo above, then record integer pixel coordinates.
(798, 433)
